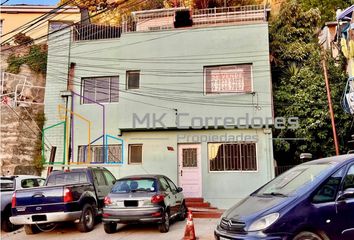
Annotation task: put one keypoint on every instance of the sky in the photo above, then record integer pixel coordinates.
(41, 2)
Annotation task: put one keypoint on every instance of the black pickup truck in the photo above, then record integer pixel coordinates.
(76, 195)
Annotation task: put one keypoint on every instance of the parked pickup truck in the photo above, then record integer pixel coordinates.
(76, 195)
(8, 184)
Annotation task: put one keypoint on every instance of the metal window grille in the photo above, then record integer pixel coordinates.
(189, 156)
(232, 156)
(114, 153)
(135, 153)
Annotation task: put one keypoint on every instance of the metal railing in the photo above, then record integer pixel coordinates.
(209, 16)
(163, 19)
(83, 32)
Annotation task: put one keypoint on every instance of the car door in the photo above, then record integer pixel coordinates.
(345, 207)
(100, 184)
(169, 197)
(110, 179)
(178, 195)
(325, 215)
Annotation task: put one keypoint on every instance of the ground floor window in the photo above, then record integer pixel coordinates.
(232, 156)
(135, 153)
(114, 153)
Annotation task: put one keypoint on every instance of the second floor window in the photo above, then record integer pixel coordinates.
(100, 89)
(133, 79)
(228, 79)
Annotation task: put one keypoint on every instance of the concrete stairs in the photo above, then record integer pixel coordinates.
(202, 209)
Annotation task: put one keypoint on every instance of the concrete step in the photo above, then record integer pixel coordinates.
(214, 214)
(198, 204)
(194, 200)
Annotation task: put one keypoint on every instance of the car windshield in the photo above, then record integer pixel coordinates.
(135, 185)
(7, 184)
(294, 179)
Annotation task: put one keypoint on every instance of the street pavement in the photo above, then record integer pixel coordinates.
(204, 231)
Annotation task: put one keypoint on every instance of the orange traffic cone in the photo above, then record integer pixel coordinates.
(189, 232)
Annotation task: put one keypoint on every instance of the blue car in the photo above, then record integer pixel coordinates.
(312, 201)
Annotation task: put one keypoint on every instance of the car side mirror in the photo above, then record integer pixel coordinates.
(348, 193)
(179, 189)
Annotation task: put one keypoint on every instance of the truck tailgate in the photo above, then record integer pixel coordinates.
(39, 200)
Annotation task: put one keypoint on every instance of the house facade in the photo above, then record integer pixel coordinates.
(15, 16)
(193, 102)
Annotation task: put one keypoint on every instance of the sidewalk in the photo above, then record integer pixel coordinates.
(204, 231)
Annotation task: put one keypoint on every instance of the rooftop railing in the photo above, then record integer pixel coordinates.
(164, 19)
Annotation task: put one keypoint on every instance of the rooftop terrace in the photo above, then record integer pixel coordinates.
(173, 18)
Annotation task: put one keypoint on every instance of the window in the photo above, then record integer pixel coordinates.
(349, 179)
(109, 177)
(328, 191)
(130, 185)
(135, 153)
(228, 79)
(172, 185)
(133, 79)
(232, 156)
(57, 25)
(100, 180)
(114, 153)
(67, 178)
(100, 89)
(189, 157)
(33, 182)
(164, 185)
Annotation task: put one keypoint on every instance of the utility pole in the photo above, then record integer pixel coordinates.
(330, 104)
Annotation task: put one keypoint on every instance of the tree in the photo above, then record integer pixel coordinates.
(299, 86)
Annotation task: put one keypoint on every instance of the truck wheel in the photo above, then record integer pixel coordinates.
(31, 229)
(307, 235)
(6, 225)
(110, 227)
(87, 219)
(165, 225)
(182, 212)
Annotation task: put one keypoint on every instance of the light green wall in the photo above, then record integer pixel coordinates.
(185, 53)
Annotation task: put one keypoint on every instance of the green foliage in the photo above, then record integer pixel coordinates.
(22, 39)
(327, 8)
(35, 59)
(299, 86)
(37, 159)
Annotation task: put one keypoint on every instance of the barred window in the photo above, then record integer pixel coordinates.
(100, 89)
(114, 153)
(232, 156)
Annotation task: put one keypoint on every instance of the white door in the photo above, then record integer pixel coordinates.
(189, 170)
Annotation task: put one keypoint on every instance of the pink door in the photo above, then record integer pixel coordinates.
(189, 168)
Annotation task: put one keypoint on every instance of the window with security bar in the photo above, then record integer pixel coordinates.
(100, 89)
(232, 156)
(135, 153)
(189, 157)
(228, 79)
(114, 153)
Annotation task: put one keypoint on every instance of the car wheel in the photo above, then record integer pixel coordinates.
(307, 236)
(31, 229)
(6, 225)
(87, 219)
(182, 212)
(110, 227)
(165, 225)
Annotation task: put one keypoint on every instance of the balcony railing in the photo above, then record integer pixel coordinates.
(95, 32)
(164, 19)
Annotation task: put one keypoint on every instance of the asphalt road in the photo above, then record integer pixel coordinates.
(204, 230)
